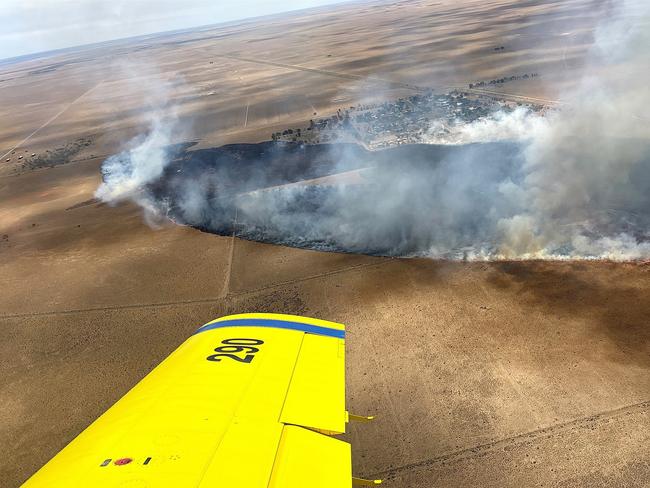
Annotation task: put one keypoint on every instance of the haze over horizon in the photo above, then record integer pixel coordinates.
(35, 26)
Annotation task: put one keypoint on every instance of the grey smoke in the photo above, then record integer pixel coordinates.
(418, 199)
(587, 171)
(574, 183)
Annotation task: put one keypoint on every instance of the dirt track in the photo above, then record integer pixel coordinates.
(481, 374)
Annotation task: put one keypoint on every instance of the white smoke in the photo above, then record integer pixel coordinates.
(520, 124)
(125, 175)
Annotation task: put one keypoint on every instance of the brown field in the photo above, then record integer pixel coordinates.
(505, 374)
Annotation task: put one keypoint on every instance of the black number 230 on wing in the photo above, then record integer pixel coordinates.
(233, 348)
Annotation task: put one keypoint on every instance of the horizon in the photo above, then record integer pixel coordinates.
(34, 38)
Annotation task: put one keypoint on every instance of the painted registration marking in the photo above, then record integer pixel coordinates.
(232, 347)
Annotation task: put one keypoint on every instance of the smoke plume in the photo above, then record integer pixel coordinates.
(586, 189)
(125, 175)
(573, 183)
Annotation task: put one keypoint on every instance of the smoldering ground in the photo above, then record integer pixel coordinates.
(406, 200)
(435, 200)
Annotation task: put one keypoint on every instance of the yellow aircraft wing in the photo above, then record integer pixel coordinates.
(249, 400)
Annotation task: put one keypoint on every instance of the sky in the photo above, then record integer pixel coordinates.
(31, 26)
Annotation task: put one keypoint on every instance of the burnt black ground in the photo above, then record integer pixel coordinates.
(410, 198)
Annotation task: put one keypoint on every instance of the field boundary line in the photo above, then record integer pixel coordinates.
(50, 120)
(198, 300)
